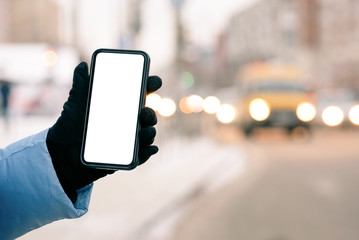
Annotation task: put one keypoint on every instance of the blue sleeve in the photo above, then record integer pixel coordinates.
(30, 192)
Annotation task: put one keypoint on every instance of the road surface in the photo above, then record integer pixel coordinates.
(294, 190)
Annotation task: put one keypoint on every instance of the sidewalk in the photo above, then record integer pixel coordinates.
(144, 203)
(19, 127)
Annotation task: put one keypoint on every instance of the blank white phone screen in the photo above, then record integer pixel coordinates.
(113, 113)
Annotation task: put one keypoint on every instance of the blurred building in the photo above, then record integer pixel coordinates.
(29, 21)
(84, 25)
(338, 42)
(321, 35)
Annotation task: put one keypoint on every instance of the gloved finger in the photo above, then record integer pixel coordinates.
(90, 173)
(153, 83)
(147, 136)
(145, 153)
(148, 117)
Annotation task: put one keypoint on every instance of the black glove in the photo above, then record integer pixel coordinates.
(64, 138)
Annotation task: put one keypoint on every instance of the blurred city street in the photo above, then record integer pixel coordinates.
(258, 114)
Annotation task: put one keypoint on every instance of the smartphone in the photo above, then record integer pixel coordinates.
(116, 96)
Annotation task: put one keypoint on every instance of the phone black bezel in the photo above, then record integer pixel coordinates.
(146, 65)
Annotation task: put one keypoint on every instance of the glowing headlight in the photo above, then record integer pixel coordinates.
(259, 109)
(354, 115)
(226, 113)
(306, 112)
(332, 116)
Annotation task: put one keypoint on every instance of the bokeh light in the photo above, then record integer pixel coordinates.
(226, 113)
(186, 80)
(259, 109)
(354, 115)
(211, 104)
(306, 112)
(332, 116)
(153, 101)
(49, 58)
(183, 106)
(194, 103)
(167, 107)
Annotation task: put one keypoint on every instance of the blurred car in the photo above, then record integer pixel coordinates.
(338, 107)
(275, 96)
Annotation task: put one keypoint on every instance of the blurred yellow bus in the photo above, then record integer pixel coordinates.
(274, 95)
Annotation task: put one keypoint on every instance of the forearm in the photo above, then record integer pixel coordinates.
(30, 192)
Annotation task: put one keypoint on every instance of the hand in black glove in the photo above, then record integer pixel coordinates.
(64, 138)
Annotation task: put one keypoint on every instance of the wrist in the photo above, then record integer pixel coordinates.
(59, 153)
